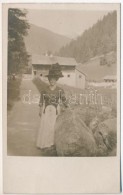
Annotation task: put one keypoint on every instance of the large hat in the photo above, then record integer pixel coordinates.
(55, 71)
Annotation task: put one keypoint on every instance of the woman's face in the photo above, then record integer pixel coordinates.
(52, 81)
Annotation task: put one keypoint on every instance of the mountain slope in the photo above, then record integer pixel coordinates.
(40, 40)
(101, 38)
(95, 71)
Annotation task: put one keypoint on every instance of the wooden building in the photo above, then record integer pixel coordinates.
(72, 75)
(110, 79)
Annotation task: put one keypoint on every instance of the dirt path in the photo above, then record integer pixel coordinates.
(23, 123)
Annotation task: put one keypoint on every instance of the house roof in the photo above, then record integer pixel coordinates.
(47, 60)
(78, 69)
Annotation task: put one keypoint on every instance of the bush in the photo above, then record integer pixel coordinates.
(13, 91)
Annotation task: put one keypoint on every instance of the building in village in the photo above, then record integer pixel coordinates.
(110, 79)
(72, 75)
(101, 75)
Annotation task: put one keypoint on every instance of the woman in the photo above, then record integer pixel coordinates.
(50, 100)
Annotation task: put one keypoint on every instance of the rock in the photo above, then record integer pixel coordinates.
(94, 124)
(72, 136)
(106, 137)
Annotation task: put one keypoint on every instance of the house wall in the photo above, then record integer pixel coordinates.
(80, 80)
(40, 70)
(69, 77)
(72, 77)
(68, 72)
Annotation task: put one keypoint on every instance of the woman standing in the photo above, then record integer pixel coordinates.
(50, 100)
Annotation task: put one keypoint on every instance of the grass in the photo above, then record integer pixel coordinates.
(13, 91)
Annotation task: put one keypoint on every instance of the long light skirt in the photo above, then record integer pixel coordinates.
(46, 131)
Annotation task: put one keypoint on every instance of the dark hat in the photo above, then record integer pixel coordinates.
(55, 71)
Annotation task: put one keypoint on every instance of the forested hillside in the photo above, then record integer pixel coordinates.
(101, 38)
(40, 40)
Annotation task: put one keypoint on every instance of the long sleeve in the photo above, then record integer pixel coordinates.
(42, 98)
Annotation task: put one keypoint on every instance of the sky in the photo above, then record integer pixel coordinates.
(65, 22)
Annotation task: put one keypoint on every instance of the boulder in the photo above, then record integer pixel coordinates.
(72, 136)
(106, 137)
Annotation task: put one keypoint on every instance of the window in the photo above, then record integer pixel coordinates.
(68, 75)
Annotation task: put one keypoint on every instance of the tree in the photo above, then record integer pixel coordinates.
(17, 29)
(99, 39)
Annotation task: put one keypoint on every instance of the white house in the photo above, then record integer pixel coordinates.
(72, 76)
(110, 79)
(107, 81)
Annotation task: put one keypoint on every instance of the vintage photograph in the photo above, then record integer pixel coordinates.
(62, 82)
